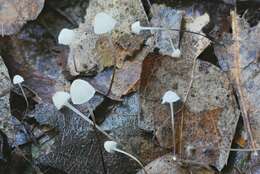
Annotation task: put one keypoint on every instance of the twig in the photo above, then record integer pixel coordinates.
(182, 120)
(114, 65)
(236, 74)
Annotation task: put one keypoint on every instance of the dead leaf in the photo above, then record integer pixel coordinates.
(195, 132)
(239, 57)
(167, 41)
(126, 46)
(126, 80)
(5, 114)
(166, 165)
(14, 14)
(36, 60)
(94, 52)
(210, 101)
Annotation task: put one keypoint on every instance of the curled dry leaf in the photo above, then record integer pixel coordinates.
(14, 14)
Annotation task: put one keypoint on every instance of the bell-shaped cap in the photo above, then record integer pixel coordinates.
(66, 36)
(18, 79)
(176, 53)
(170, 97)
(110, 146)
(60, 98)
(136, 27)
(103, 23)
(81, 91)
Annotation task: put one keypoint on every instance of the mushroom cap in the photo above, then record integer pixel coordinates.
(176, 53)
(81, 91)
(136, 27)
(18, 79)
(66, 36)
(110, 146)
(103, 23)
(60, 98)
(170, 97)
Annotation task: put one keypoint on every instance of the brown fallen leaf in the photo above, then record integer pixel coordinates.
(210, 107)
(36, 60)
(195, 132)
(239, 57)
(166, 165)
(14, 14)
(125, 47)
(126, 80)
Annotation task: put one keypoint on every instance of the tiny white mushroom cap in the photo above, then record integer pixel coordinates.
(176, 53)
(103, 23)
(60, 98)
(110, 146)
(81, 91)
(66, 36)
(136, 27)
(18, 79)
(255, 153)
(170, 97)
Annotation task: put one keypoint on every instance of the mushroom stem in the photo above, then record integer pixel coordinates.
(173, 131)
(98, 139)
(131, 156)
(24, 95)
(172, 29)
(87, 119)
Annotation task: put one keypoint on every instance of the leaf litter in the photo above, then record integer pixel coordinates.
(205, 117)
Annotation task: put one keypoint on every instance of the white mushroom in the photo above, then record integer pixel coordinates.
(81, 91)
(18, 80)
(171, 97)
(103, 23)
(66, 36)
(61, 99)
(112, 147)
(137, 28)
(176, 53)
